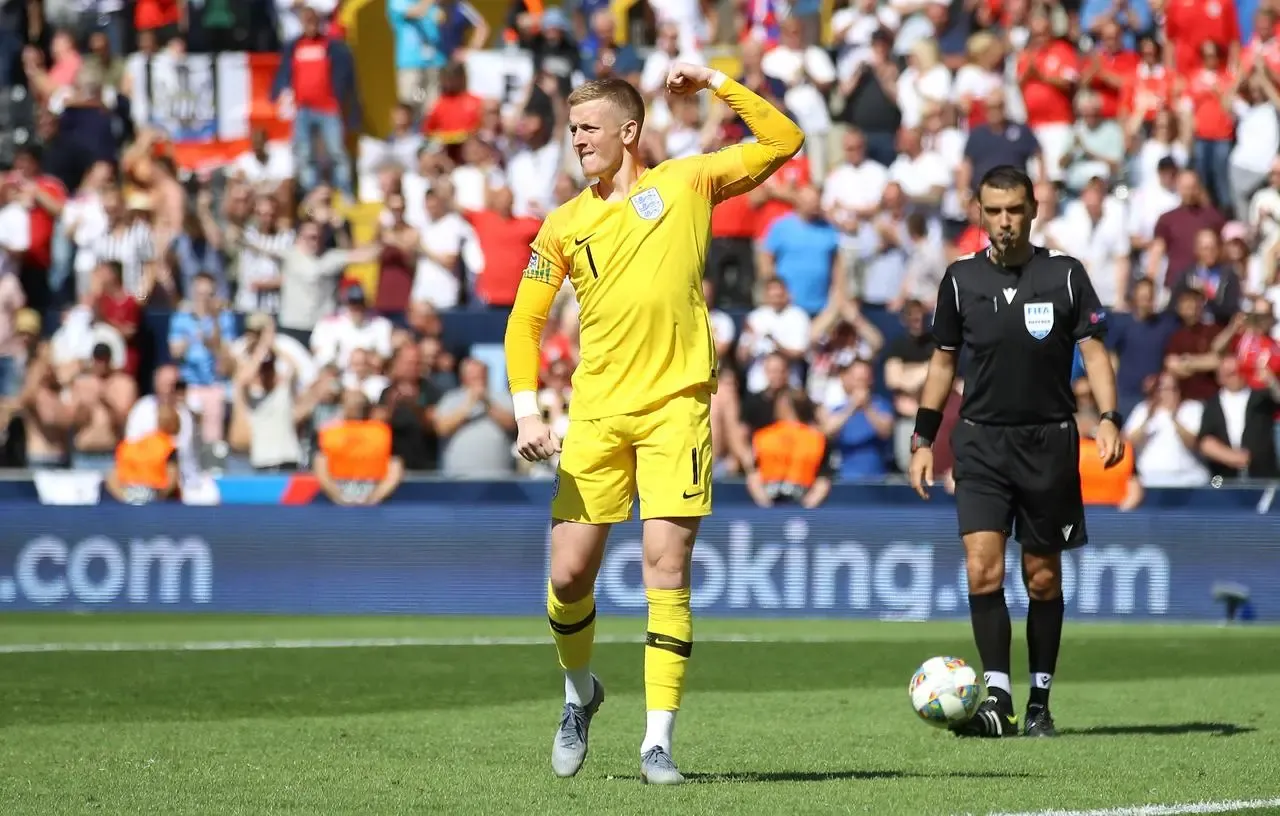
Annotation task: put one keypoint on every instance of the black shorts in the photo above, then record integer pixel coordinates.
(1021, 480)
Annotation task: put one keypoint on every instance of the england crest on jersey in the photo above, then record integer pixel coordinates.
(1038, 318)
(648, 204)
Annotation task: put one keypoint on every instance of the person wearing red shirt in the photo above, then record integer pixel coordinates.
(160, 17)
(776, 196)
(43, 196)
(1047, 74)
(1150, 88)
(504, 240)
(1189, 24)
(731, 262)
(1109, 69)
(1207, 96)
(455, 116)
(1252, 345)
(118, 309)
(317, 79)
(1264, 46)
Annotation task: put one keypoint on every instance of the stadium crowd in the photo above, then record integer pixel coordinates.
(1152, 131)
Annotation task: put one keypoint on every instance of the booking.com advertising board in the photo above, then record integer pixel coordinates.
(483, 558)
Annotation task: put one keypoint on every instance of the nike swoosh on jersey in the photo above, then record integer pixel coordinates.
(581, 241)
(689, 495)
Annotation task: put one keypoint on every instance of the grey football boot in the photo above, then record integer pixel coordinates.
(569, 750)
(658, 768)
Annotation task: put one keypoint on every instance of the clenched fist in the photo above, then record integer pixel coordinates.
(685, 78)
(535, 442)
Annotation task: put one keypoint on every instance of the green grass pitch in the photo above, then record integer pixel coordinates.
(813, 719)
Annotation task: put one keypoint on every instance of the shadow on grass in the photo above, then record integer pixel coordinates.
(832, 776)
(1167, 730)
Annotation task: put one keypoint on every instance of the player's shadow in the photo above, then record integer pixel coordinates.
(1167, 730)
(833, 776)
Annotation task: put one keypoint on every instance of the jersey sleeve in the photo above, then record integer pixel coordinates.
(1089, 319)
(740, 168)
(542, 278)
(947, 330)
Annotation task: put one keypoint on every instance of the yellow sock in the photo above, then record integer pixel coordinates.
(574, 627)
(668, 643)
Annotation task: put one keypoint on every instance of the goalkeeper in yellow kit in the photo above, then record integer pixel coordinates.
(633, 245)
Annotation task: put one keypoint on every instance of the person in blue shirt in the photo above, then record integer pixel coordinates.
(198, 333)
(803, 249)
(415, 26)
(1133, 17)
(860, 429)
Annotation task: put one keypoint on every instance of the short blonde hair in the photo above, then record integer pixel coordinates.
(616, 92)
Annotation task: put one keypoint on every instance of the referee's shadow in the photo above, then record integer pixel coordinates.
(832, 776)
(1215, 729)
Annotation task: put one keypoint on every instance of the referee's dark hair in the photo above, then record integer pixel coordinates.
(1007, 177)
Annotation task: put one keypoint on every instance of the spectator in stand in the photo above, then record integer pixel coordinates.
(362, 375)
(195, 253)
(200, 336)
(264, 165)
(1259, 124)
(1190, 24)
(415, 26)
(601, 42)
(1237, 433)
(1164, 430)
(46, 419)
(475, 426)
(167, 390)
(11, 345)
(882, 245)
(533, 168)
(114, 307)
(776, 328)
(1189, 355)
(869, 89)
(309, 280)
(840, 334)
(997, 141)
(861, 426)
(15, 231)
(265, 414)
(504, 241)
(317, 80)
(808, 74)
(925, 265)
(81, 222)
(438, 275)
(355, 464)
(1095, 147)
(791, 456)
(1248, 339)
(1048, 74)
(922, 175)
(1138, 342)
(258, 252)
(1212, 277)
(1112, 65)
(146, 469)
(42, 196)
(803, 250)
(455, 116)
(1173, 250)
(408, 405)
(462, 29)
(1207, 110)
(1156, 196)
(352, 327)
(1096, 234)
(127, 241)
(906, 362)
(101, 398)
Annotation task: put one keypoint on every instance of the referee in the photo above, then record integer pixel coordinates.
(1022, 310)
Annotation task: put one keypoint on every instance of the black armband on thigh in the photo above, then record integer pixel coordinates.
(928, 423)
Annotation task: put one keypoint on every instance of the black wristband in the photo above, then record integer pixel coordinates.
(928, 423)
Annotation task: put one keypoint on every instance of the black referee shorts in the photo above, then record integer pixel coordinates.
(1021, 480)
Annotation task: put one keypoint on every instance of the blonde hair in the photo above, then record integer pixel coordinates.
(979, 43)
(617, 92)
(926, 53)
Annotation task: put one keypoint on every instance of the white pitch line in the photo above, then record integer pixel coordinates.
(1187, 809)
(366, 643)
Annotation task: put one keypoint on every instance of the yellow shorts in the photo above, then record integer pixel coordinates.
(663, 453)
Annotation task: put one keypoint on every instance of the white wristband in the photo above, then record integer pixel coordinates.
(718, 79)
(525, 404)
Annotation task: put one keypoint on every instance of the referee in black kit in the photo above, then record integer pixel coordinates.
(1021, 310)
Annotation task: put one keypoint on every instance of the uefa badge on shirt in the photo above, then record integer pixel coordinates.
(1038, 318)
(648, 204)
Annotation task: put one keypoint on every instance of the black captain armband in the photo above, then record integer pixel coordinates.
(928, 423)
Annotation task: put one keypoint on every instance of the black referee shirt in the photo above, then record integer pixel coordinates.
(1021, 325)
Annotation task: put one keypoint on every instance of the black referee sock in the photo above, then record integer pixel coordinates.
(992, 632)
(1044, 638)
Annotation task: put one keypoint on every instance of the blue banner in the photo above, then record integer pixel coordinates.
(480, 558)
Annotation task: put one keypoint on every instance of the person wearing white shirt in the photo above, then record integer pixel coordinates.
(777, 326)
(353, 327)
(925, 81)
(1096, 234)
(289, 26)
(444, 240)
(1153, 199)
(923, 175)
(808, 73)
(1164, 431)
(15, 228)
(264, 163)
(401, 148)
(853, 190)
(853, 25)
(532, 170)
(1258, 136)
(1264, 211)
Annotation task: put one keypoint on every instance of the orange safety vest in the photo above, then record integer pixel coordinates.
(357, 450)
(145, 462)
(1099, 485)
(789, 453)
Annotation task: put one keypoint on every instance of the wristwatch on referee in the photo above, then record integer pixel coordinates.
(1114, 418)
(918, 442)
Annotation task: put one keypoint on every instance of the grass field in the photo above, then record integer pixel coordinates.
(810, 718)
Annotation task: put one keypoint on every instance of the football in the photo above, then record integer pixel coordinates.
(945, 691)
